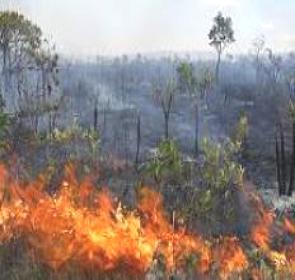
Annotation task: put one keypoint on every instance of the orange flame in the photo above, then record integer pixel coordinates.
(261, 233)
(81, 225)
(261, 236)
(230, 257)
(289, 226)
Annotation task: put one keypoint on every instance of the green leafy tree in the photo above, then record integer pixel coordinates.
(220, 36)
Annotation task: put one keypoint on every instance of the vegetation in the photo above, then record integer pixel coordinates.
(220, 36)
(221, 178)
(25, 55)
(197, 86)
(166, 162)
(164, 95)
(107, 116)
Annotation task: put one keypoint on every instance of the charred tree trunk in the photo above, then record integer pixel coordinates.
(36, 124)
(283, 158)
(281, 161)
(104, 127)
(166, 120)
(166, 109)
(6, 72)
(126, 139)
(292, 166)
(5, 68)
(50, 130)
(278, 164)
(138, 140)
(95, 118)
(197, 131)
(217, 66)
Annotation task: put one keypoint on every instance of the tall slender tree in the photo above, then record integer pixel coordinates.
(220, 36)
(258, 47)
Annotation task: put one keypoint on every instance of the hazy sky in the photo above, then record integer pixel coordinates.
(125, 26)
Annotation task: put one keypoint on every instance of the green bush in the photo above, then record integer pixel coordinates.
(220, 178)
(166, 163)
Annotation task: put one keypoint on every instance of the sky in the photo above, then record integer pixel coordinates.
(114, 27)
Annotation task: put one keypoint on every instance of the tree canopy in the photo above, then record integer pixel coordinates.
(220, 36)
(221, 33)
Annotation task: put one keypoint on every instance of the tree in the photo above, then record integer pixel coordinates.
(220, 36)
(258, 46)
(30, 69)
(138, 140)
(273, 68)
(19, 38)
(292, 164)
(164, 95)
(197, 88)
(4, 126)
(205, 82)
(187, 78)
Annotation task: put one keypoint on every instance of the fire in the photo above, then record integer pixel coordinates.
(289, 226)
(80, 225)
(230, 257)
(261, 236)
(261, 233)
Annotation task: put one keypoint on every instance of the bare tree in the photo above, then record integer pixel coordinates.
(138, 139)
(164, 95)
(258, 46)
(273, 68)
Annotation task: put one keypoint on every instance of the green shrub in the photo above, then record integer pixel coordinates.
(166, 162)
